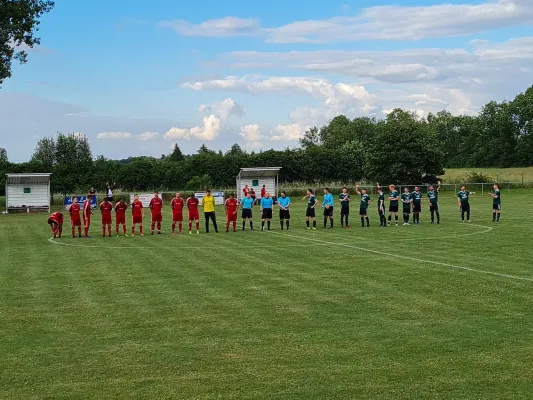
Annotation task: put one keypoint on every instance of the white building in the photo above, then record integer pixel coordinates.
(28, 192)
(257, 177)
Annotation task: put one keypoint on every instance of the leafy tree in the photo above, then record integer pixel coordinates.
(235, 150)
(176, 154)
(45, 153)
(311, 137)
(199, 183)
(19, 22)
(3, 156)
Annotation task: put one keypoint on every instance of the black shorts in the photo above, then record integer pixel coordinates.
(465, 207)
(328, 212)
(284, 214)
(310, 213)
(393, 209)
(363, 211)
(497, 206)
(433, 207)
(111, 198)
(417, 207)
(407, 210)
(247, 213)
(267, 213)
(345, 210)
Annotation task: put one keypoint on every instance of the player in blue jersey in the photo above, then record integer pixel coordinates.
(265, 205)
(328, 208)
(284, 204)
(246, 205)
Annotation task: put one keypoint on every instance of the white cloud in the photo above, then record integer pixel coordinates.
(290, 132)
(252, 136)
(148, 136)
(113, 135)
(223, 27)
(224, 109)
(209, 131)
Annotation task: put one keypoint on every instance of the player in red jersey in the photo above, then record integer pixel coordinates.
(192, 205)
(105, 208)
(87, 212)
(75, 220)
(231, 206)
(177, 213)
(156, 205)
(56, 224)
(120, 217)
(137, 215)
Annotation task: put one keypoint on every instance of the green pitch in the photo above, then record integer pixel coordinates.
(414, 312)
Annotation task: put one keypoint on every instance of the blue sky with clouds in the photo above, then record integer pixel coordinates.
(137, 76)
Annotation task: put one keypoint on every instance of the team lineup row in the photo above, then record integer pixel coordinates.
(412, 203)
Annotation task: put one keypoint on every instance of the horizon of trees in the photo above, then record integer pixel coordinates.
(400, 148)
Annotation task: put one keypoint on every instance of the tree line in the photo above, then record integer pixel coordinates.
(401, 148)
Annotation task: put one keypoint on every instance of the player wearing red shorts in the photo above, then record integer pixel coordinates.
(156, 205)
(177, 212)
(231, 207)
(87, 212)
(75, 220)
(55, 221)
(105, 208)
(137, 215)
(120, 217)
(192, 205)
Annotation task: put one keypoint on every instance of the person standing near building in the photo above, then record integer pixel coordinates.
(263, 191)
(284, 204)
(208, 203)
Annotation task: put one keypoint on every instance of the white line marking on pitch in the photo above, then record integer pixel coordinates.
(382, 253)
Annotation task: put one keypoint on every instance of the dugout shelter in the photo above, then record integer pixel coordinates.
(28, 192)
(257, 177)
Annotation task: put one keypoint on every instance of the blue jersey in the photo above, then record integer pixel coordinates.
(247, 203)
(284, 202)
(267, 202)
(328, 200)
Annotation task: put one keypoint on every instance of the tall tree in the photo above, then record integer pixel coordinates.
(45, 153)
(19, 22)
(311, 137)
(176, 154)
(3, 155)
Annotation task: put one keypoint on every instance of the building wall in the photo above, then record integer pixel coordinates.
(270, 184)
(39, 196)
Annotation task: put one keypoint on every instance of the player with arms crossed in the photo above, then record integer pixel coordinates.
(464, 204)
(394, 197)
(87, 212)
(156, 206)
(177, 205)
(265, 206)
(345, 200)
(192, 205)
(416, 197)
(312, 202)
(496, 203)
(75, 219)
(381, 206)
(120, 217)
(363, 208)
(105, 208)
(327, 205)
(246, 205)
(407, 204)
(137, 212)
(55, 221)
(433, 200)
(284, 204)
(231, 207)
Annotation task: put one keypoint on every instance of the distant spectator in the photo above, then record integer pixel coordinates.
(245, 190)
(109, 192)
(263, 191)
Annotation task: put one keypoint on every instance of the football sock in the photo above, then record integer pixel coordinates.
(234, 226)
(493, 216)
(306, 223)
(109, 230)
(367, 221)
(197, 225)
(287, 223)
(243, 225)
(498, 217)
(346, 219)
(268, 225)
(190, 225)
(363, 222)
(462, 215)
(390, 218)
(325, 222)
(73, 232)
(153, 226)
(438, 216)
(227, 226)
(141, 229)
(281, 223)
(251, 225)
(124, 228)
(395, 218)
(314, 224)
(331, 222)
(86, 231)
(116, 229)
(159, 226)
(133, 229)
(79, 230)
(173, 227)
(468, 215)
(342, 221)
(262, 224)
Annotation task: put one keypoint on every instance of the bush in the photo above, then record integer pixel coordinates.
(479, 177)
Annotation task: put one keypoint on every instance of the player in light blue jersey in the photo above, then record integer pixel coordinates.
(265, 205)
(284, 204)
(327, 205)
(246, 205)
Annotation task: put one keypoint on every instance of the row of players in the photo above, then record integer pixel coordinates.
(412, 203)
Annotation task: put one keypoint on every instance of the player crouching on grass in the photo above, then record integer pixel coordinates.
(55, 221)
(156, 206)
(75, 219)
(327, 205)
(463, 203)
(231, 207)
(120, 216)
(496, 203)
(363, 208)
(407, 203)
(265, 206)
(312, 202)
(416, 197)
(177, 205)
(105, 208)
(246, 205)
(137, 214)
(284, 204)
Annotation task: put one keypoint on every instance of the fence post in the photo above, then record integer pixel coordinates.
(482, 188)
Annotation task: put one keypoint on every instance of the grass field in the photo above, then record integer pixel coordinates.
(419, 312)
(517, 175)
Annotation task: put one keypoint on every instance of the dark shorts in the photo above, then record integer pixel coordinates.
(417, 208)
(345, 210)
(363, 211)
(267, 213)
(111, 198)
(465, 207)
(433, 207)
(310, 213)
(497, 206)
(393, 209)
(328, 212)
(407, 210)
(106, 220)
(76, 222)
(284, 214)
(246, 213)
(137, 219)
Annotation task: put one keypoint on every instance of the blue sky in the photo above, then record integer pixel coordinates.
(137, 77)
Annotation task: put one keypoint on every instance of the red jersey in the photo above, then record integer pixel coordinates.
(156, 205)
(121, 208)
(177, 205)
(57, 217)
(137, 208)
(192, 203)
(106, 208)
(263, 192)
(231, 205)
(245, 191)
(87, 208)
(74, 211)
